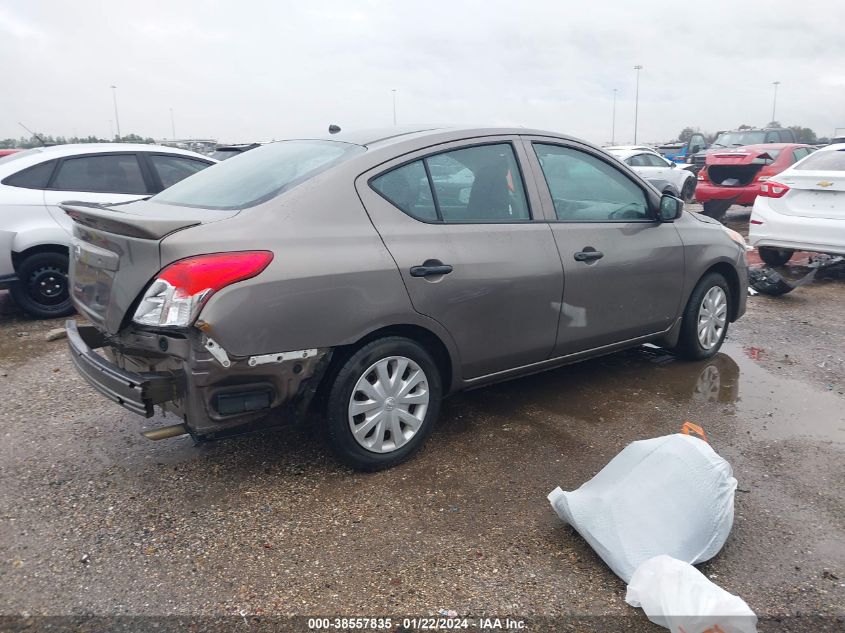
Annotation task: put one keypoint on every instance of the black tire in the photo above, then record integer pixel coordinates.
(42, 286)
(716, 209)
(340, 388)
(689, 346)
(688, 191)
(775, 256)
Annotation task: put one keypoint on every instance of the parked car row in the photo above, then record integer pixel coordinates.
(367, 276)
(35, 233)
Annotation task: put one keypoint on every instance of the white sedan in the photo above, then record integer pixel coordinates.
(663, 174)
(35, 233)
(802, 208)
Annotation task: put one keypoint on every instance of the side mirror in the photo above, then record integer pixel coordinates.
(672, 164)
(670, 208)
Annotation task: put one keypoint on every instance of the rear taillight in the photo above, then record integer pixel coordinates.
(772, 189)
(702, 174)
(180, 290)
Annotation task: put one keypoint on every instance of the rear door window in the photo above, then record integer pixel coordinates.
(472, 184)
(172, 169)
(107, 173)
(408, 188)
(35, 177)
(585, 188)
(478, 184)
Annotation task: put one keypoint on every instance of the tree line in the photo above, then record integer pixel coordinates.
(39, 140)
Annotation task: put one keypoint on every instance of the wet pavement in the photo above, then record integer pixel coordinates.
(96, 519)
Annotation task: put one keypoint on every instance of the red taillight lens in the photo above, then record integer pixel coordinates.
(215, 271)
(178, 293)
(772, 189)
(702, 174)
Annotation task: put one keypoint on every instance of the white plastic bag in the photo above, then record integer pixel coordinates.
(676, 595)
(668, 495)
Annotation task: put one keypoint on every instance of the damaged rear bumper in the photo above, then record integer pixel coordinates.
(744, 195)
(138, 392)
(179, 372)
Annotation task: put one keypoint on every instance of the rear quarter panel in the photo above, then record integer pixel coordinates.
(331, 281)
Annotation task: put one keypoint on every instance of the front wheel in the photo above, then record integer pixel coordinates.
(688, 191)
(716, 209)
(775, 256)
(382, 403)
(705, 319)
(42, 286)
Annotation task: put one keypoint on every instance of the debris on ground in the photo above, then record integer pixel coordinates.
(674, 594)
(670, 495)
(771, 282)
(56, 334)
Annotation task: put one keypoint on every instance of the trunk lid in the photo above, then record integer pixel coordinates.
(115, 252)
(738, 167)
(812, 194)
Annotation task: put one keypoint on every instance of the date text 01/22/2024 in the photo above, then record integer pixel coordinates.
(416, 623)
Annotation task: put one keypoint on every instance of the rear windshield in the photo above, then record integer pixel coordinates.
(831, 160)
(223, 154)
(256, 176)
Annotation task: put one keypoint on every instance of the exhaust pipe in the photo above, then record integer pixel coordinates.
(164, 432)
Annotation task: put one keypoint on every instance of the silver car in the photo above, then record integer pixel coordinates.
(363, 278)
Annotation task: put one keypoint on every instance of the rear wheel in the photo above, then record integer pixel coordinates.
(716, 209)
(775, 256)
(42, 286)
(705, 321)
(382, 403)
(688, 191)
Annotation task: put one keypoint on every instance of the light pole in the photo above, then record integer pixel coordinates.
(394, 106)
(638, 68)
(775, 100)
(172, 126)
(613, 128)
(116, 119)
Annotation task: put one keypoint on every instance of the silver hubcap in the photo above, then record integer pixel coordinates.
(388, 404)
(712, 317)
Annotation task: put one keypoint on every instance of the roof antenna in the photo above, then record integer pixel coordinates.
(38, 136)
(334, 129)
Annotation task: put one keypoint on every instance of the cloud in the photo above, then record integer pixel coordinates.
(266, 69)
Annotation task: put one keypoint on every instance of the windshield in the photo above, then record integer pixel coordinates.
(256, 176)
(830, 160)
(10, 157)
(737, 139)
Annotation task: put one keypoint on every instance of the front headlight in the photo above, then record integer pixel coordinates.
(736, 237)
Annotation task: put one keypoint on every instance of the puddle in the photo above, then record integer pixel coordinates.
(648, 382)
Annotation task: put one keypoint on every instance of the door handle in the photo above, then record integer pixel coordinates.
(431, 267)
(588, 255)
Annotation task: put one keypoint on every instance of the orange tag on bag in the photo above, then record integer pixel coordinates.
(688, 428)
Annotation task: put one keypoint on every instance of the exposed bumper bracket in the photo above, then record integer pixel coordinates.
(138, 392)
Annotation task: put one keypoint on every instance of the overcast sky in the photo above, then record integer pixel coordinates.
(257, 70)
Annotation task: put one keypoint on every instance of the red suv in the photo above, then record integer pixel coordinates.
(733, 176)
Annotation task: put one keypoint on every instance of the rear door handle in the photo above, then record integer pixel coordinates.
(431, 267)
(588, 255)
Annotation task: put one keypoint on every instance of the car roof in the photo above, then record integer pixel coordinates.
(42, 154)
(385, 137)
(630, 148)
(833, 147)
(627, 153)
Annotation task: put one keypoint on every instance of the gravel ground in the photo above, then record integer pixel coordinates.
(95, 519)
